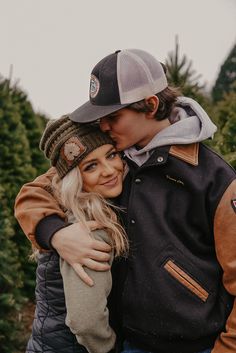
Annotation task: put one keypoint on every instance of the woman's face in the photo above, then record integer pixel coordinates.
(102, 171)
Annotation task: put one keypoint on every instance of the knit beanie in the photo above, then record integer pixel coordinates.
(66, 143)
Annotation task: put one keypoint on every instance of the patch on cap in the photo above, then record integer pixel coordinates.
(72, 149)
(233, 203)
(94, 86)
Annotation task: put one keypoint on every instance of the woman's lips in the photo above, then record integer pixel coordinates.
(111, 182)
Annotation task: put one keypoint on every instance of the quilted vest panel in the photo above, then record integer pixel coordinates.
(49, 331)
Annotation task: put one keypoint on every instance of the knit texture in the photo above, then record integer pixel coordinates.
(66, 143)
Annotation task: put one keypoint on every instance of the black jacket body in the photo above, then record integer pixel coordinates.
(173, 298)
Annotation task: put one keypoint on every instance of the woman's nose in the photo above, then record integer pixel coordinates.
(107, 169)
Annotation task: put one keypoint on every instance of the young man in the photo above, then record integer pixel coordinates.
(180, 286)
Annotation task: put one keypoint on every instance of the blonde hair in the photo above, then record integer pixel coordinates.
(84, 206)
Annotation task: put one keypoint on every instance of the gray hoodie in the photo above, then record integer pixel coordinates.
(189, 124)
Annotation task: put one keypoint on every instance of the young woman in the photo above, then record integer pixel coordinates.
(70, 316)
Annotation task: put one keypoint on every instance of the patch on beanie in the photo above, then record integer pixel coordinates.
(233, 203)
(94, 86)
(72, 149)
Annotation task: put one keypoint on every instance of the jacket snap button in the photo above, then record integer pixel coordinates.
(137, 181)
(160, 159)
(132, 221)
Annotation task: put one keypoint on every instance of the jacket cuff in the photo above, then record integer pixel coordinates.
(46, 228)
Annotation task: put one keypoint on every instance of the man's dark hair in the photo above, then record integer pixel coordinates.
(167, 99)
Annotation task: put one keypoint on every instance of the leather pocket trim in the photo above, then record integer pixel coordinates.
(186, 280)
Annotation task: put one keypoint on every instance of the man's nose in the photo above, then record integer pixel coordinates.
(104, 124)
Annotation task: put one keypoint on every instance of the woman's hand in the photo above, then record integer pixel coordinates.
(76, 247)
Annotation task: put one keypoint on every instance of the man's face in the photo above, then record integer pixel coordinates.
(127, 128)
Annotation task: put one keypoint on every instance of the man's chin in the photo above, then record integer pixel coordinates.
(121, 147)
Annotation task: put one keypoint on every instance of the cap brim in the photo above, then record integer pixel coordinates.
(88, 112)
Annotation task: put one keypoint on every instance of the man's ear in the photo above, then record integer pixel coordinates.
(153, 103)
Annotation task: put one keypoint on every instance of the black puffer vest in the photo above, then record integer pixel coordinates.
(49, 332)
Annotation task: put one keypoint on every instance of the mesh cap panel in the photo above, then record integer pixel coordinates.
(139, 75)
(121, 78)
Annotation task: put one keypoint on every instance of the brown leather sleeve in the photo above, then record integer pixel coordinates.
(225, 243)
(34, 202)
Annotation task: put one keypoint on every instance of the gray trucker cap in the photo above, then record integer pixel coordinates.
(118, 80)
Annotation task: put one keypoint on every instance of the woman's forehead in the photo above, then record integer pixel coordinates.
(97, 153)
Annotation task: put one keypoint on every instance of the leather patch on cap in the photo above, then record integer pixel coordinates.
(233, 203)
(72, 149)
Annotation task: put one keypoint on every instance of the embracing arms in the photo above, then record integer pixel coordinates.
(35, 202)
(44, 223)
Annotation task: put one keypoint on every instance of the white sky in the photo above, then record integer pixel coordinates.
(54, 44)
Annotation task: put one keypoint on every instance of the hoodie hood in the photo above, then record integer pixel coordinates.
(189, 124)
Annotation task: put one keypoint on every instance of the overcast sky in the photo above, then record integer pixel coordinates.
(54, 44)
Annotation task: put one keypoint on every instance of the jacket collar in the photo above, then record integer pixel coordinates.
(188, 153)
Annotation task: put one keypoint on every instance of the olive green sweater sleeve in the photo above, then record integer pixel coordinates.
(87, 312)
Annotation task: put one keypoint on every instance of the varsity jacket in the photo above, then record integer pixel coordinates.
(180, 287)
